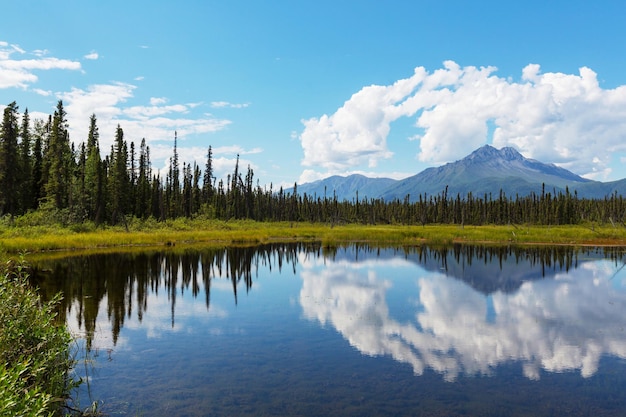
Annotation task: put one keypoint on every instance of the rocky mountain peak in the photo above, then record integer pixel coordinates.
(489, 153)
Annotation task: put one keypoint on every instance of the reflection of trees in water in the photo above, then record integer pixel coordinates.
(126, 280)
(486, 268)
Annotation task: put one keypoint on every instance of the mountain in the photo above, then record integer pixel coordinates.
(597, 189)
(346, 187)
(485, 171)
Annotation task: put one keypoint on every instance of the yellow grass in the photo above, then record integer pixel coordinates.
(15, 239)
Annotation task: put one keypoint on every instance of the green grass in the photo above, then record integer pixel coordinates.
(34, 349)
(22, 236)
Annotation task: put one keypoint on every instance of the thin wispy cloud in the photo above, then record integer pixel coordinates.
(226, 104)
(41, 92)
(236, 149)
(568, 119)
(92, 55)
(146, 112)
(40, 52)
(156, 101)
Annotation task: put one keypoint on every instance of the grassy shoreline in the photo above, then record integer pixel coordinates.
(180, 232)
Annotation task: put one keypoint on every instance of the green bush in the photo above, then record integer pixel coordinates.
(35, 355)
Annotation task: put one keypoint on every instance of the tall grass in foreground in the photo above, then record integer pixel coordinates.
(35, 355)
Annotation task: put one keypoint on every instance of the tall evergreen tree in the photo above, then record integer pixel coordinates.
(187, 194)
(196, 193)
(157, 199)
(9, 161)
(235, 191)
(143, 195)
(207, 181)
(175, 189)
(57, 159)
(78, 197)
(118, 177)
(132, 179)
(40, 133)
(93, 173)
(26, 179)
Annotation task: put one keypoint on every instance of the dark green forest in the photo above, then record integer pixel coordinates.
(41, 170)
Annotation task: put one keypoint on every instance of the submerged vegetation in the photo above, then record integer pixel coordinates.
(35, 355)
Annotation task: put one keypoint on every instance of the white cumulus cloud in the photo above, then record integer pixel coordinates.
(568, 119)
(155, 122)
(20, 73)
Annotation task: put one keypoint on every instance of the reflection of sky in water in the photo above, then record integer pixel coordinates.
(561, 324)
(340, 337)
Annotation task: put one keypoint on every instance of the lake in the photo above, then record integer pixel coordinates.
(358, 330)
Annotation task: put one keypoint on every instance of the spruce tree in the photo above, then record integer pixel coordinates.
(25, 169)
(37, 185)
(207, 184)
(57, 160)
(93, 173)
(118, 177)
(174, 186)
(78, 201)
(132, 179)
(143, 195)
(187, 194)
(196, 193)
(9, 161)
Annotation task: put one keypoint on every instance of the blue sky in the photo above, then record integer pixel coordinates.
(307, 89)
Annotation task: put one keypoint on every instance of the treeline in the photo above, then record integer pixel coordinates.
(42, 170)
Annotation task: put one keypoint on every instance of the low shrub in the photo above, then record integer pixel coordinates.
(35, 358)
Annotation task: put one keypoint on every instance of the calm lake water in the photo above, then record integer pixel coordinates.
(300, 330)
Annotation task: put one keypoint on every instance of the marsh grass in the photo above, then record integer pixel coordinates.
(37, 237)
(35, 358)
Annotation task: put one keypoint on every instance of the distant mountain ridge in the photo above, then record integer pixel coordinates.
(485, 171)
(346, 188)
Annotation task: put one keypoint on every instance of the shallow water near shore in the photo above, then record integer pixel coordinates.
(303, 330)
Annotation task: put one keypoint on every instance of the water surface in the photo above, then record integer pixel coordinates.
(301, 330)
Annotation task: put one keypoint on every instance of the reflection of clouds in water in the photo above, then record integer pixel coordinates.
(557, 325)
